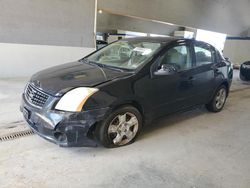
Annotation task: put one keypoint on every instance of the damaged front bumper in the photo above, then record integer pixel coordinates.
(67, 129)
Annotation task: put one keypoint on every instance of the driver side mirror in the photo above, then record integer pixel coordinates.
(166, 70)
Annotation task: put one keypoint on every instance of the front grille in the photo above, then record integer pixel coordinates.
(36, 96)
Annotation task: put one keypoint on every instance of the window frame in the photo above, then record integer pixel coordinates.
(207, 47)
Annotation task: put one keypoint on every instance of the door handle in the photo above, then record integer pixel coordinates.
(191, 78)
(216, 70)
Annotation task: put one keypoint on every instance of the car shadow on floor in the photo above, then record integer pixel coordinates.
(170, 121)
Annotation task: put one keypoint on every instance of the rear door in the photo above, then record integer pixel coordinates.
(204, 71)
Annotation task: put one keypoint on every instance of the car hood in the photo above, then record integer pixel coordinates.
(60, 79)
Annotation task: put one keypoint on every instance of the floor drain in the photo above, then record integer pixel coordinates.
(16, 135)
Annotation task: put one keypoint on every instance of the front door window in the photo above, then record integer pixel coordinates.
(178, 56)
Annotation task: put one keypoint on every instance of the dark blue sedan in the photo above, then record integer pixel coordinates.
(109, 95)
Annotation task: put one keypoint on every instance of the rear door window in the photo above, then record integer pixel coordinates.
(204, 55)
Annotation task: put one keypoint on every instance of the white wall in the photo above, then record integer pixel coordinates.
(37, 34)
(237, 50)
(21, 60)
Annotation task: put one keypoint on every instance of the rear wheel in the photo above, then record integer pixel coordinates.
(120, 128)
(218, 101)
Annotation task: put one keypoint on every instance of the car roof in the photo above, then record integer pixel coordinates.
(165, 40)
(156, 39)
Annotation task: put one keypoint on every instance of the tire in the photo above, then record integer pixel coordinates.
(243, 78)
(218, 101)
(111, 131)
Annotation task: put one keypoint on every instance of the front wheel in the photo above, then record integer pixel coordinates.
(218, 101)
(120, 128)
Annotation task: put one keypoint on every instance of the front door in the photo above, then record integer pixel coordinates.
(173, 92)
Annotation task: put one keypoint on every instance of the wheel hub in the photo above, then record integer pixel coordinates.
(220, 98)
(123, 128)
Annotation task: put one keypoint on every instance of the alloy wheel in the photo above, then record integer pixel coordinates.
(123, 128)
(220, 98)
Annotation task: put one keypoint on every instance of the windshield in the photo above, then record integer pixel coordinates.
(125, 54)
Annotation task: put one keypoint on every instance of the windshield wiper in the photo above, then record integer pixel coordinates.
(85, 60)
(111, 67)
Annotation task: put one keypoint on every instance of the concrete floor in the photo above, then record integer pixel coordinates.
(193, 149)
